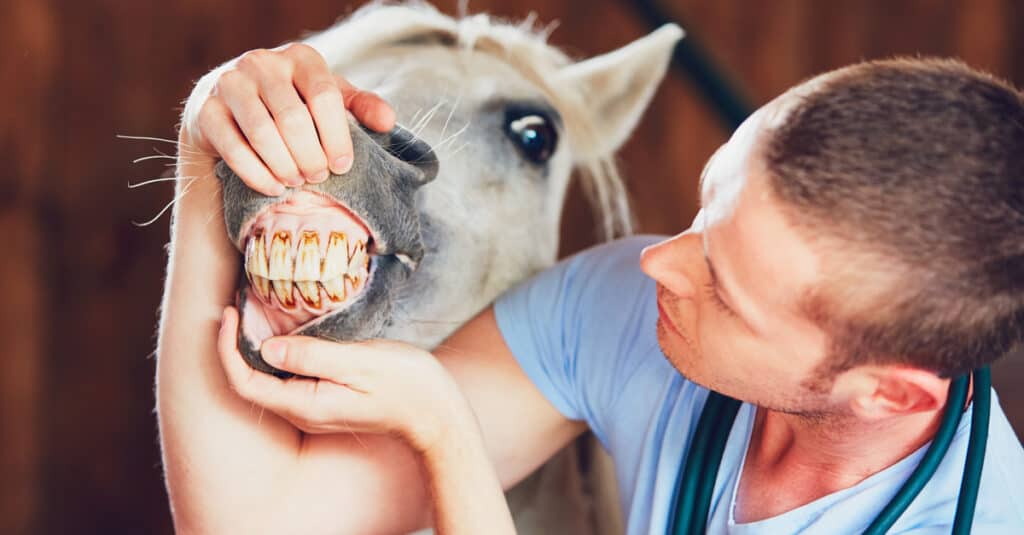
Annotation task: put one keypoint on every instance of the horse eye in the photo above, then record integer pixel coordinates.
(534, 136)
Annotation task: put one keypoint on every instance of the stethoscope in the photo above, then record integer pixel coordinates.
(696, 480)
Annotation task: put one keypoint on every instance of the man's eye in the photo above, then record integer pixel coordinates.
(713, 295)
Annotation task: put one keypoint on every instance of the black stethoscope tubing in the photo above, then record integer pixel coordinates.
(691, 498)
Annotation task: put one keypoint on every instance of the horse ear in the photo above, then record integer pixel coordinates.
(619, 85)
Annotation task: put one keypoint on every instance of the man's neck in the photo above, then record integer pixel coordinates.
(793, 460)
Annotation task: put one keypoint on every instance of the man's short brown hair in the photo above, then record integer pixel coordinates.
(909, 175)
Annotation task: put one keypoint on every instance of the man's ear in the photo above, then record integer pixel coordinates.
(618, 86)
(886, 391)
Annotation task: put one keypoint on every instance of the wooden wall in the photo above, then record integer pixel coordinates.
(81, 284)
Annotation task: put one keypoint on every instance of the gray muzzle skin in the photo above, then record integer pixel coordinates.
(381, 188)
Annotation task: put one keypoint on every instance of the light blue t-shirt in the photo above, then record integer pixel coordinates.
(584, 332)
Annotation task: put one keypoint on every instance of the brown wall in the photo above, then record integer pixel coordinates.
(81, 284)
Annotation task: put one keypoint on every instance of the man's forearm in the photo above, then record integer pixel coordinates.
(214, 445)
(467, 495)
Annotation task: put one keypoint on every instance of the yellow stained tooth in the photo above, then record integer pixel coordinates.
(256, 256)
(283, 290)
(352, 283)
(336, 259)
(262, 286)
(307, 261)
(358, 262)
(280, 259)
(335, 289)
(356, 248)
(310, 291)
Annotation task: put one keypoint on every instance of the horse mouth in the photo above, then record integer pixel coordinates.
(306, 257)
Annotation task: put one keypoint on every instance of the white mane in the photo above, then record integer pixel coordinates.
(522, 45)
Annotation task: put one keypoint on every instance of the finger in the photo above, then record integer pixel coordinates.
(367, 107)
(295, 399)
(295, 124)
(310, 404)
(350, 364)
(318, 88)
(220, 130)
(241, 95)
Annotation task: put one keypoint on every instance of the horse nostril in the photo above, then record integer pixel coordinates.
(405, 146)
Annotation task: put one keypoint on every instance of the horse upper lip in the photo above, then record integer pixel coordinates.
(307, 208)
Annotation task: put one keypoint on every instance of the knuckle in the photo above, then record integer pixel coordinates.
(322, 88)
(257, 127)
(254, 58)
(233, 81)
(300, 50)
(291, 356)
(293, 116)
(312, 162)
(210, 109)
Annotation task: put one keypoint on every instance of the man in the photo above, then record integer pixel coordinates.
(861, 242)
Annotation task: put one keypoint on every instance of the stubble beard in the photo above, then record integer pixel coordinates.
(679, 355)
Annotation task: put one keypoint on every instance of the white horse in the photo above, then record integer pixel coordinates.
(509, 118)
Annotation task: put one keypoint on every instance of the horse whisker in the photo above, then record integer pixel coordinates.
(155, 180)
(452, 137)
(153, 157)
(182, 147)
(427, 117)
(166, 207)
(451, 113)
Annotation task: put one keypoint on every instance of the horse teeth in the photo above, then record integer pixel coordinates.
(283, 290)
(273, 270)
(352, 283)
(335, 261)
(335, 288)
(310, 291)
(307, 261)
(262, 286)
(358, 262)
(357, 247)
(256, 257)
(281, 265)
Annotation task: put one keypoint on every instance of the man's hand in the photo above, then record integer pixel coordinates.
(379, 386)
(277, 117)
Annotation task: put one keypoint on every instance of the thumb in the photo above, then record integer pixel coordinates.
(368, 108)
(337, 362)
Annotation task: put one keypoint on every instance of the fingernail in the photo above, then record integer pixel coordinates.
(320, 177)
(295, 181)
(273, 351)
(342, 165)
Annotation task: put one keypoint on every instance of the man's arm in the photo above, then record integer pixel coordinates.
(232, 466)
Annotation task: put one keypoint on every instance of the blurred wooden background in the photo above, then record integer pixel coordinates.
(81, 284)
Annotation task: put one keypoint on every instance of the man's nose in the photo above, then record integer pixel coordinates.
(672, 263)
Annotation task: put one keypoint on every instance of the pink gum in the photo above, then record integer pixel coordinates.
(308, 212)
